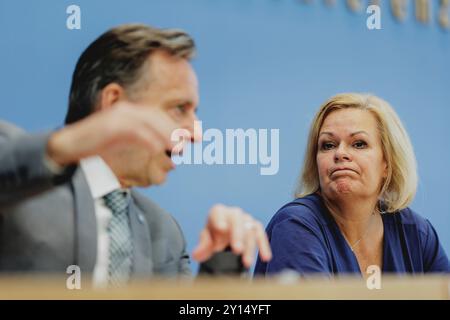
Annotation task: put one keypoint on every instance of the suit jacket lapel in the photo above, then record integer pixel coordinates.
(86, 231)
(85, 224)
(142, 265)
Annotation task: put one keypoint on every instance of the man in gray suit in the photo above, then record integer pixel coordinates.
(67, 197)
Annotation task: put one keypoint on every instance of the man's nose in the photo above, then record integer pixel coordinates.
(196, 131)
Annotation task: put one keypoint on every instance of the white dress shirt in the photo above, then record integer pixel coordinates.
(101, 181)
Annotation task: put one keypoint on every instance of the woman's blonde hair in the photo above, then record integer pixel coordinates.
(399, 187)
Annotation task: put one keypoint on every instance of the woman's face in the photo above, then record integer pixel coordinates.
(350, 158)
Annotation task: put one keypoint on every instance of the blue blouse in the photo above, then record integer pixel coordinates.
(305, 238)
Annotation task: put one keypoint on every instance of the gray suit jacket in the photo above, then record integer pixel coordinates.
(48, 222)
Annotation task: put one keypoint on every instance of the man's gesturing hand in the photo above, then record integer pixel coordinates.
(119, 126)
(231, 226)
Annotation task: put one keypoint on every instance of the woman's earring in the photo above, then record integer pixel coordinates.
(381, 207)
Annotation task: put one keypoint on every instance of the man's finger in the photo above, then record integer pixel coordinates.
(150, 140)
(219, 226)
(237, 220)
(248, 255)
(263, 242)
(205, 248)
(217, 219)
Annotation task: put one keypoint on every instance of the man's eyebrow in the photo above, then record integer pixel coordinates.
(184, 102)
(181, 101)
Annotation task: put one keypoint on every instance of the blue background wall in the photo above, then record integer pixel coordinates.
(261, 64)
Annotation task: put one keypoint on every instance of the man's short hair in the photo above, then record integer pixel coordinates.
(119, 56)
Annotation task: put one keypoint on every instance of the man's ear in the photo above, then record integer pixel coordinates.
(110, 94)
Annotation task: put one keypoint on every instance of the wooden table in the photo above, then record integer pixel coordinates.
(425, 287)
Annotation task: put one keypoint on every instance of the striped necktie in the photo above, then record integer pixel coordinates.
(120, 239)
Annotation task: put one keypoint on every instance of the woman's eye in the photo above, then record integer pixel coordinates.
(360, 144)
(327, 146)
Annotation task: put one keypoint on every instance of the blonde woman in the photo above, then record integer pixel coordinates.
(351, 212)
